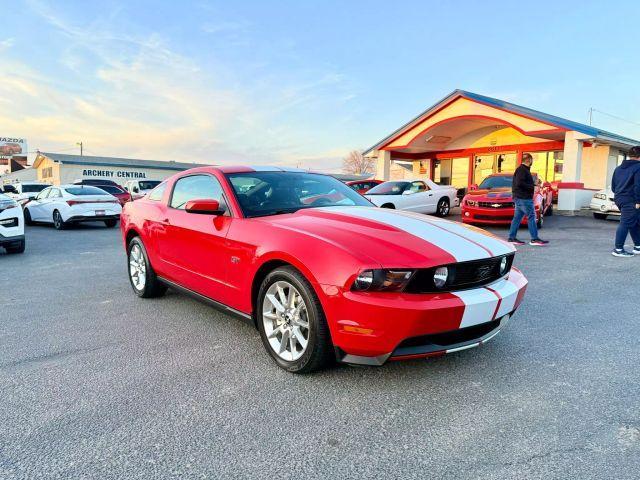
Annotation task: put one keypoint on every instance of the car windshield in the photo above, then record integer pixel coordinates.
(33, 188)
(272, 193)
(85, 190)
(389, 188)
(499, 181)
(148, 184)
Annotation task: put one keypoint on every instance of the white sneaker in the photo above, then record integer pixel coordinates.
(621, 253)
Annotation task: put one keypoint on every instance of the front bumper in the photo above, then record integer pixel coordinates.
(600, 206)
(13, 241)
(491, 216)
(370, 329)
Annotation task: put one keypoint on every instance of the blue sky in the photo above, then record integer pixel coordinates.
(297, 82)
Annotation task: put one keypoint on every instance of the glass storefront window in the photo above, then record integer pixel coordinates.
(452, 171)
(548, 165)
(485, 165)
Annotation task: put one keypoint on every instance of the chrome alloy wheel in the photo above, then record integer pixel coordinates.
(444, 208)
(137, 268)
(285, 320)
(57, 219)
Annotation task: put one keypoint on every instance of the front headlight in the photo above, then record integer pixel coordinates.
(471, 203)
(382, 280)
(600, 196)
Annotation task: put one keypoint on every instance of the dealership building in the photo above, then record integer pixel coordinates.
(58, 168)
(465, 137)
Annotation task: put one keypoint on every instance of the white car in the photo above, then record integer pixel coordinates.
(11, 225)
(68, 204)
(422, 196)
(602, 204)
(139, 188)
(22, 192)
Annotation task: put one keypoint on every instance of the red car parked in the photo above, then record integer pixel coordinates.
(492, 202)
(333, 279)
(363, 186)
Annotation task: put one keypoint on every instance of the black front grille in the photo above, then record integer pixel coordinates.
(453, 337)
(496, 204)
(462, 276)
(490, 217)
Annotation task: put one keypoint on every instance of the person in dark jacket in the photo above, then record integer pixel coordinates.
(523, 189)
(626, 190)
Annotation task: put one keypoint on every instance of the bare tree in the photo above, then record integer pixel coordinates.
(357, 164)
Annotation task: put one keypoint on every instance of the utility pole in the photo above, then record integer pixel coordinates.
(80, 143)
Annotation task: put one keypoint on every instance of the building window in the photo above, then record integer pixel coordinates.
(548, 165)
(452, 171)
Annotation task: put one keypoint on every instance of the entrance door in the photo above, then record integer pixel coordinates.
(485, 165)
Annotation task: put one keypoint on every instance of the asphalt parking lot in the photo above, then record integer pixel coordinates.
(97, 383)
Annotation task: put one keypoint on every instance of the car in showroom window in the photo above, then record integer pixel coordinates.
(320, 272)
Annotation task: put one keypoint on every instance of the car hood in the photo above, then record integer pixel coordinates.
(492, 194)
(392, 238)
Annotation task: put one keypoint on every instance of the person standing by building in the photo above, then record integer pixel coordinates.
(626, 190)
(523, 189)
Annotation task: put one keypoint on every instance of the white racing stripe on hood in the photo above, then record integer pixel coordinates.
(419, 226)
(495, 245)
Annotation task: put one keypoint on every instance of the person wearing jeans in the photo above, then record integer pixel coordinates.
(626, 189)
(523, 190)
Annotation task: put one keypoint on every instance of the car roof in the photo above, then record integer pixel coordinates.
(250, 169)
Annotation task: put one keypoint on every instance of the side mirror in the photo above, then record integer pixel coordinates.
(473, 187)
(135, 189)
(204, 206)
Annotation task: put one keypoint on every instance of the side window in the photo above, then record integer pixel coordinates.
(196, 186)
(54, 193)
(43, 194)
(418, 187)
(357, 186)
(158, 192)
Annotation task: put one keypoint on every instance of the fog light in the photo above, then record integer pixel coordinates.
(440, 277)
(466, 214)
(503, 266)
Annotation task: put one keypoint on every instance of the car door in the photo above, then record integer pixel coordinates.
(37, 206)
(192, 246)
(53, 200)
(420, 199)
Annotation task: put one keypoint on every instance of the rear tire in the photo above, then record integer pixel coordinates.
(600, 216)
(443, 208)
(142, 277)
(550, 210)
(287, 307)
(19, 249)
(58, 222)
(110, 223)
(388, 205)
(540, 220)
(27, 217)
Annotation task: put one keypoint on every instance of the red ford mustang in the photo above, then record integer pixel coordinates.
(492, 202)
(334, 278)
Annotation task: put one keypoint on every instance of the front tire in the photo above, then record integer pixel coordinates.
(110, 223)
(388, 205)
(292, 324)
(27, 217)
(142, 277)
(443, 208)
(19, 249)
(58, 222)
(540, 221)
